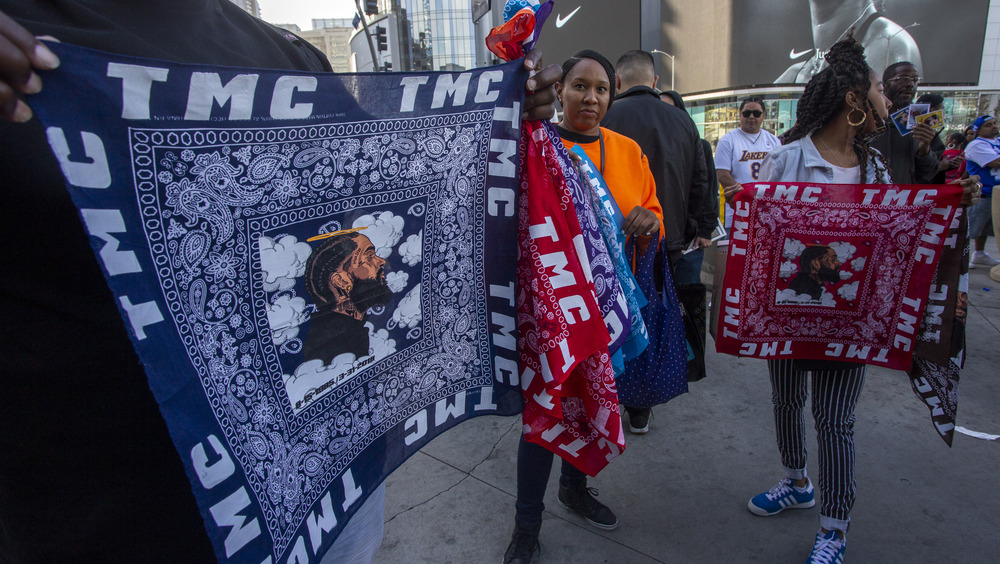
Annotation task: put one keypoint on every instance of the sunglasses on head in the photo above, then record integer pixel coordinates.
(754, 113)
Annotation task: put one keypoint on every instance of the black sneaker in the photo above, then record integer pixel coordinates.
(523, 544)
(638, 420)
(581, 500)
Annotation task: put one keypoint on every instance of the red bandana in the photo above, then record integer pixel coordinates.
(571, 404)
(837, 272)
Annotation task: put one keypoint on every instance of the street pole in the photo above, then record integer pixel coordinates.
(671, 65)
(376, 65)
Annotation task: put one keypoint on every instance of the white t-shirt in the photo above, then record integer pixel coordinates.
(848, 175)
(981, 152)
(741, 154)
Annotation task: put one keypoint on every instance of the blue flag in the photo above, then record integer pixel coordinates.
(317, 271)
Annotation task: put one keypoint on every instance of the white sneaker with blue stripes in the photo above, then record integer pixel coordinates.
(781, 497)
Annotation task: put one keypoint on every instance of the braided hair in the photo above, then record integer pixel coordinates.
(326, 259)
(823, 98)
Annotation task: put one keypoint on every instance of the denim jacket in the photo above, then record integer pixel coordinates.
(799, 161)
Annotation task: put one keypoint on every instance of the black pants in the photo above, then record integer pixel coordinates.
(534, 463)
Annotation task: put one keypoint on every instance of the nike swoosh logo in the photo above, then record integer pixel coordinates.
(793, 55)
(561, 21)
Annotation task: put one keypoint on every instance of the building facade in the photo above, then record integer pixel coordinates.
(250, 6)
(431, 34)
(717, 53)
(333, 37)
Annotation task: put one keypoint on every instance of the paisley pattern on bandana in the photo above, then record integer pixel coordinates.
(833, 272)
(317, 270)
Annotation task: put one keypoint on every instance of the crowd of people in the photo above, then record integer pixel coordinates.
(661, 173)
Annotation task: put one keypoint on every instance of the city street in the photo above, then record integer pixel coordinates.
(680, 491)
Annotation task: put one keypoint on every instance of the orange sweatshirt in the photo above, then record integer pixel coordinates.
(626, 170)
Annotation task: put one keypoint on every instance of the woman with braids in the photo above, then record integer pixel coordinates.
(840, 111)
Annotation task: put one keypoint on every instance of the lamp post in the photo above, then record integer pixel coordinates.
(671, 65)
(888, 42)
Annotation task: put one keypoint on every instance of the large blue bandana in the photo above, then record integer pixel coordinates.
(317, 271)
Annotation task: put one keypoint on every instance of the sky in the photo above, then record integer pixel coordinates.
(301, 12)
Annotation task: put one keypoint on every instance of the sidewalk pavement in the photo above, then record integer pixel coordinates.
(680, 492)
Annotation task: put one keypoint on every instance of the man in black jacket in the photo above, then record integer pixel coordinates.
(688, 269)
(671, 143)
(910, 158)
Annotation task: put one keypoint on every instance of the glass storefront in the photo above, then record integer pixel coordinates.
(442, 32)
(716, 117)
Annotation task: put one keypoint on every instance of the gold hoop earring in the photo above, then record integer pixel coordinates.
(864, 116)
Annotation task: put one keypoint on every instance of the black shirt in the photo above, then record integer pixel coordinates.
(331, 334)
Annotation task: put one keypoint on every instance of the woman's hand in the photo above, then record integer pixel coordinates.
(640, 221)
(20, 54)
(729, 193)
(540, 101)
(972, 190)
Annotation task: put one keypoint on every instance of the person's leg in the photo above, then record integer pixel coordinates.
(534, 463)
(638, 419)
(834, 398)
(980, 226)
(688, 269)
(788, 394)
(576, 496)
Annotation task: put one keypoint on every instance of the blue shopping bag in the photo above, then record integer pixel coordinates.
(659, 374)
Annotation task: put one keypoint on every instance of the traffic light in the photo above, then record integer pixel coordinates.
(371, 7)
(381, 42)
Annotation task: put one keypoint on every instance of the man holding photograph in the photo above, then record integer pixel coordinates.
(910, 157)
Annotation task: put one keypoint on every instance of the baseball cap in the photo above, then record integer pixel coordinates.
(980, 121)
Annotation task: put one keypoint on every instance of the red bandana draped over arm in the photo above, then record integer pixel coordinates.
(571, 404)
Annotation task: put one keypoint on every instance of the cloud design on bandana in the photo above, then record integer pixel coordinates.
(845, 251)
(788, 269)
(858, 264)
(383, 230)
(408, 313)
(379, 343)
(412, 249)
(282, 261)
(793, 248)
(312, 374)
(397, 281)
(791, 297)
(848, 291)
(284, 314)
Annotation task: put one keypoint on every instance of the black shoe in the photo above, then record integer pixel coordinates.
(638, 420)
(523, 544)
(581, 500)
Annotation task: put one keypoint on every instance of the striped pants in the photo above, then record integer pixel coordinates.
(834, 396)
